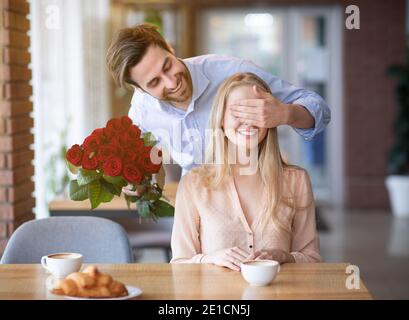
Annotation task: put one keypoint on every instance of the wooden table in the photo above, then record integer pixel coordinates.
(196, 282)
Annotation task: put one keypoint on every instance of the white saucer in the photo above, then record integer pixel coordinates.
(132, 293)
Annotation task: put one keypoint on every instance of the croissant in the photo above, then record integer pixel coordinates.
(91, 283)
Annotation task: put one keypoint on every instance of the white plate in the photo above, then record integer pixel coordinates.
(132, 293)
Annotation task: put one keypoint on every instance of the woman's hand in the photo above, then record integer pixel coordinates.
(275, 254)
(229, 258)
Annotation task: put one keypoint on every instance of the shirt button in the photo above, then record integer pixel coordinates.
(250, 246)
(250, 234)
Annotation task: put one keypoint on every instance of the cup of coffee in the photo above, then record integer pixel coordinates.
(62, 264)
(260, 272)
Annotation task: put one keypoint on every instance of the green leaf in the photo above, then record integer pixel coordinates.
(112, 188)
(143, 208)
(87, 176)
(163, 209)
(87, 173)
(105, 196)
(115, 180)
(148, 139)
(77, 192)
(132, 199)
(73, 169)
(98, 193)
(151, 196)
(94, 194)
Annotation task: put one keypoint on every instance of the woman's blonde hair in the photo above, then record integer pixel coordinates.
(270, 162)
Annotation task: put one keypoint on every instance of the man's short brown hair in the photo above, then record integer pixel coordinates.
(127, 49)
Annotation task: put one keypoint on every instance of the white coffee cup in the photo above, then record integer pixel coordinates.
(260, 272)
(62, 264)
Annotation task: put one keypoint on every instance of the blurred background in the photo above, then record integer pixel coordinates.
(56, 90)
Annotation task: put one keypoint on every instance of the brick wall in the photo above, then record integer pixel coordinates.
(16, 139)
(369, 99)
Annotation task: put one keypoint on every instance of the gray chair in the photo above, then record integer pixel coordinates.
(98, 240)
(148, 234)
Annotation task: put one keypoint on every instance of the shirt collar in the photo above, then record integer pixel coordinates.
(199, 80)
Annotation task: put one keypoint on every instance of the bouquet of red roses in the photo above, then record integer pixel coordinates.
(114, 157)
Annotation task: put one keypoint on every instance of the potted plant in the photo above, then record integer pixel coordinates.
(397, 181)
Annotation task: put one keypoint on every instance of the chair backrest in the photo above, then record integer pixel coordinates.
(98, 240)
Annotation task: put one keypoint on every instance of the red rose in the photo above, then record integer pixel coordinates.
(107, 151)
(152, 168)
(134, 132)
(132, 174)
(113, 167)
(109, 133)
(129, 155)
(100, 133)
(90, 160)
(92, 142)
(74, 155)
(126, 140)
(115, 142)
(139, 145)
(115, 125)
(126, 122)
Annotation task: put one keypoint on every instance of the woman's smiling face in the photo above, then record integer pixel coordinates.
(238, 133)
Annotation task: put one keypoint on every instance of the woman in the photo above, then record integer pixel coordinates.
(225, 217)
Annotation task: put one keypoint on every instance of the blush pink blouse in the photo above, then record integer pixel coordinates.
(207, 220)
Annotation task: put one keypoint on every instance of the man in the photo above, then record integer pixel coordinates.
(173, 96)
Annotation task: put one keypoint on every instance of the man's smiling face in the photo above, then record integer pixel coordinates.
(163, 76)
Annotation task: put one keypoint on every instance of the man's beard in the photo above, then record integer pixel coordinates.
(186, 94)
